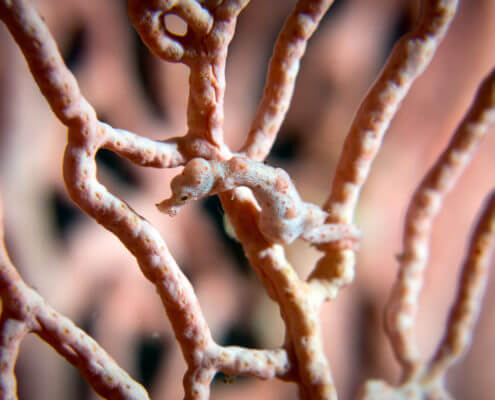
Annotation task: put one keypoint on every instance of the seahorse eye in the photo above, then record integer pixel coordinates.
(183, 198)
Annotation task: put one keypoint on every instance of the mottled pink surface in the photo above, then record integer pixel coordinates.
(86, 274)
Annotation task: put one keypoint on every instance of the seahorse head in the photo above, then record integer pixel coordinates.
(195, 182)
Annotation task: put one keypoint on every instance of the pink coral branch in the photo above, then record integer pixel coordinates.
(281, 79)
(263, 364)
(86, 135)
(60, 88)
(141, 150)
(428, 382)
(204, 50)
(25, 311)
(142, 240)
(425, 205)
(467, 307)
(100, 370)
(409, 58)
(298, 306)
(12, 332)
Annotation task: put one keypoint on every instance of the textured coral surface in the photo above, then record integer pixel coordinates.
(91, 92)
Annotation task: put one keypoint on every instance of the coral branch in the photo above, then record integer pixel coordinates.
(204, 50)
(298, 306)
(86, 136)
(408, 60)
(100, 370)
(281, 79)
(148, 18)
(11, 334)
(54, 79)
(142, 151)
(141, 239)
(425, 205)
(428, 382)
(23, 311)
(261, 202)
(263, 364)
(284, 216)
(467, 307)
(61, 90)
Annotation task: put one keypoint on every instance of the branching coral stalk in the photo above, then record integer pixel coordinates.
(298, 307)
(428, 382)
(86, 136)
(24, 311)
(425, 205)
(204, 50)
(408, 60)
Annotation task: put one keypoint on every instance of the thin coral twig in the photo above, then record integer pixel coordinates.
(467, 306)
(141, 150)
(425, 205)
(263, 364)
(282, 72)
(409, 58)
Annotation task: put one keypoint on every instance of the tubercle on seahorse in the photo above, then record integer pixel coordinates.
(284, 215)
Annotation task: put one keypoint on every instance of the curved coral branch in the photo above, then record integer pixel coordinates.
(467, 306)
(281, 79)
(204, 50)
(409, 58)
(24, 311)
(299, 307)
(148, 18)
(424, 207)
(141, 150)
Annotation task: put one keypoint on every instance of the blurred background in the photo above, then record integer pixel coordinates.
(85, 273)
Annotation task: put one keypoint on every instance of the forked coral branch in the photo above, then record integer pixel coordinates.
(282, 72)
(467, 307)
(210, 28)
(409, 58)
(428, 380)
(25, 311)
(424, 207)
